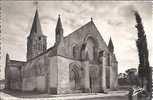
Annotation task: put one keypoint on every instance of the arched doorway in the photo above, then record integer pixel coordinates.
(75, 77)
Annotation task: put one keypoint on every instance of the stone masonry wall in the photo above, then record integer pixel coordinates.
(34, 74)
(63, 74)
(53, 76)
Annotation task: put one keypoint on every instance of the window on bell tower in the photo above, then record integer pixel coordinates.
(39, 38)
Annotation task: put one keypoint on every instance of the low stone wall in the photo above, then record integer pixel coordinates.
(15, 85)
(40, 83)
(140, 97)
(29, 84)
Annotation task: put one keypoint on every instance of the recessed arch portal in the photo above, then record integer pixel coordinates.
(93, 38)
(90, 47)
(75, 76)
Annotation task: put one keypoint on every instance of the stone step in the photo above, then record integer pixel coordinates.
(76, 91)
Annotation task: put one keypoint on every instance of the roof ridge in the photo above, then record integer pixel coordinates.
(78, 29)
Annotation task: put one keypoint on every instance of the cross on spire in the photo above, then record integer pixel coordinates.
(91, 19)
(36, 4)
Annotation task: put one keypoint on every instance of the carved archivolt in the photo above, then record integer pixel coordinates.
(89, 49)
(91, 36)
(75, 75)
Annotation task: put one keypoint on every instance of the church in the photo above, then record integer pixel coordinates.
(80, 62)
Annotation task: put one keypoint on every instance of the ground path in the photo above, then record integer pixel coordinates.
(112, 95)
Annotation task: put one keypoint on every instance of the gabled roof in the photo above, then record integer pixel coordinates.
(75, 32)
(88, 25)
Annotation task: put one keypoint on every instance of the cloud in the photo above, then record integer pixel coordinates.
(48, 18)
(114, 23)
(126, 11)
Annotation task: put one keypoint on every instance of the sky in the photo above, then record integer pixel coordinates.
(113, 19)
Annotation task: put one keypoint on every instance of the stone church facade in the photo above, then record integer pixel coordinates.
(79, 62)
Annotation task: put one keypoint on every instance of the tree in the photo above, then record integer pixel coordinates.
(123, 79)
(133, 76)
(143, 68)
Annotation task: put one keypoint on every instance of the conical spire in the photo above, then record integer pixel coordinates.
(59, 31)
(110, 45)
(59, 27)
(7, 58)
(36, 27)
(40, 43)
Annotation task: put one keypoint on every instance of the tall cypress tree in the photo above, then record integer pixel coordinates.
(143, 69)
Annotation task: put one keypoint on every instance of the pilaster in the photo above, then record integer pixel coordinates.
(86, 87)
(103, 65)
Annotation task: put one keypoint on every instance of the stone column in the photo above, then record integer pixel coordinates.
(113, 73)
(7, 76)
(103, 65)
(116, 74)
(86, 77)
(111, 68)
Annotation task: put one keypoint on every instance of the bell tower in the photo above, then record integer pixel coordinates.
(36, 41)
